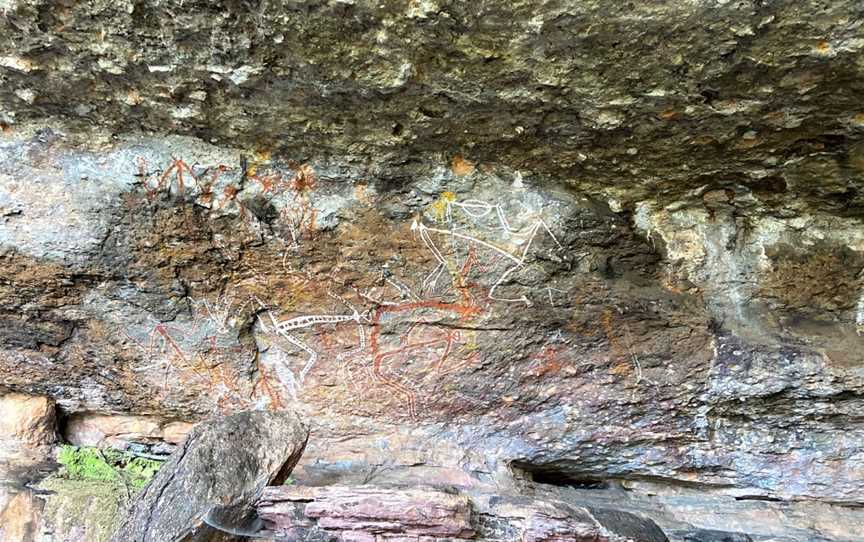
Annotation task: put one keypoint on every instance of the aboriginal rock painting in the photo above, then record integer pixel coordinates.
(303, 321)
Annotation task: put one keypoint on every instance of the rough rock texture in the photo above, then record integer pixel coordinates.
(219, 470)
(674, 95)
(20, 513)
(28, 430)
(123, 432)
(27, 421)
(75, 511)
(573, 241)
(372, 514)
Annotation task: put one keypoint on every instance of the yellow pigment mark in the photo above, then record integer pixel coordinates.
(259, 157)
(438, 208)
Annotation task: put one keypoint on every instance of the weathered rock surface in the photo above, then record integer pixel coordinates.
(28, 431)
(569, 240)
(373, 514)
(123, 432)
(27, 421)
(20, 515)
(75, 511)
(690, 513)
(640, 97)
(219, 471)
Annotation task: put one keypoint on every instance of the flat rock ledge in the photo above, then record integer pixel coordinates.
(379, 514)
(221, 468)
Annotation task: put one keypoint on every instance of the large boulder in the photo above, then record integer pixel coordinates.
(219, 470)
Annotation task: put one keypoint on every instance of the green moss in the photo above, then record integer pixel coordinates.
(93, 464)
(140, 471)
(86, 464)
(93, 507)
(92, 489)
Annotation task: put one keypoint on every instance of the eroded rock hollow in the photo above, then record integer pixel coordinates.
(607, 254)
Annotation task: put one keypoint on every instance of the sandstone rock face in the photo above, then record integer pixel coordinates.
(20, 517)
(27, 421)
(28, 431)
(373, 514)
(580, 243)
(355, 512)
(122, 432)
(220, 468)
(673, 95)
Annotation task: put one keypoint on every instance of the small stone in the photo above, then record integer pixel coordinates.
(133, 97)
(198, 95)
(26, 94)
(17, 63)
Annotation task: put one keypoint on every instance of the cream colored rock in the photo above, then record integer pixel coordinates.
(27, 420)
(175, 432)
(118, 431)
(107, 430)
(21, 517)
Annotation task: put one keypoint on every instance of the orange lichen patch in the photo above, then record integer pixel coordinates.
(823, 48)
(619, 351)
(460, 166)
(669, 114)
(550, 365)
(703, 140)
